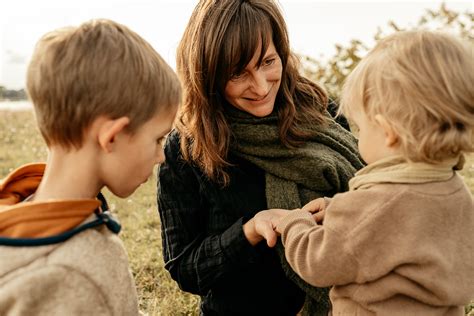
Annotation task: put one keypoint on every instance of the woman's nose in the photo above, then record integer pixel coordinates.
(259, 83)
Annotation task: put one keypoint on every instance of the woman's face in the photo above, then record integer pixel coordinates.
(254, 90)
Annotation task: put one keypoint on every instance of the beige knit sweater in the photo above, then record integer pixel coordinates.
(392, 249)
(86, 275)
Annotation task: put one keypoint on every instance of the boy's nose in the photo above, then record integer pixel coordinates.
(160, 157)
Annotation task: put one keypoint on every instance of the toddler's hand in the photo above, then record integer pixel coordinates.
(317, 208)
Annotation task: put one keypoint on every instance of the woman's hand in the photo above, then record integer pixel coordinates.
(317, 208)
(262, 226)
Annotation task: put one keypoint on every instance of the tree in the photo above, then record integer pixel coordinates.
(332, 73)
(12, 95)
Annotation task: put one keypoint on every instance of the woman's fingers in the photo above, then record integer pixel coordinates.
(265, 223)
(271, 238)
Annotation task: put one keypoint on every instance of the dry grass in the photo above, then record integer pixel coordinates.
(158, 294)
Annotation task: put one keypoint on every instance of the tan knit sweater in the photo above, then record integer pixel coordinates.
(86, 275)
(392, 249)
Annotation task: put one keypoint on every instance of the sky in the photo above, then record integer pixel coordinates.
(314, 26)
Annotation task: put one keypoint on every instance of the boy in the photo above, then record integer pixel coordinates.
(104, 100)
(401, 241)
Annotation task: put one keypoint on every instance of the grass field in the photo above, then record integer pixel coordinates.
(21, 143)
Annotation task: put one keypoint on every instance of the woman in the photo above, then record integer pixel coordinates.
(252, 134)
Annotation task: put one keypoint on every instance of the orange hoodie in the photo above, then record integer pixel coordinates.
(60, 257)
(23, 219)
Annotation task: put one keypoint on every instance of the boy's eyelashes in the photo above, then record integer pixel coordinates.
(162, 139)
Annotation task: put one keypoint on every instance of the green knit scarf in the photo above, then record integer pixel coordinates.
(322, 167)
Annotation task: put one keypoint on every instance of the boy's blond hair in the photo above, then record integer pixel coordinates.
(422, 82)
(77, 74)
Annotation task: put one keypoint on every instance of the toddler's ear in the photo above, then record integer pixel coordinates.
(109, 129)
(391, 137)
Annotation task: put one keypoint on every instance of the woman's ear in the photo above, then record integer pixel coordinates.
(391, 137)
(108, 131)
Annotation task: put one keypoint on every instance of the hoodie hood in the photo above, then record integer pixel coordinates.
(22, 219)
(20, 184)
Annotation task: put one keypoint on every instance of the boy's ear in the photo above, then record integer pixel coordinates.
(109, 129)
(391, 138)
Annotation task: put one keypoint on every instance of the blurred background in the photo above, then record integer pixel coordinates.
(318, 30)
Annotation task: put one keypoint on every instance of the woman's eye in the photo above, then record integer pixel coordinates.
(269, 62)
(237, 76)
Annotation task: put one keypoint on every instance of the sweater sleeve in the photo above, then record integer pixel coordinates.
(195, 258)
(53, 290)
(360, 228)
(315, 252)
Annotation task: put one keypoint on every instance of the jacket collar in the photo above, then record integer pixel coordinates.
(23, 219)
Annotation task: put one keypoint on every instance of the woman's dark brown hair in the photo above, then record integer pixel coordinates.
(220, 39)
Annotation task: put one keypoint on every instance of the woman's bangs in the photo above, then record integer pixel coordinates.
(245, 33)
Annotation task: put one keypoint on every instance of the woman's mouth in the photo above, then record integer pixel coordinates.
(258, 100)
